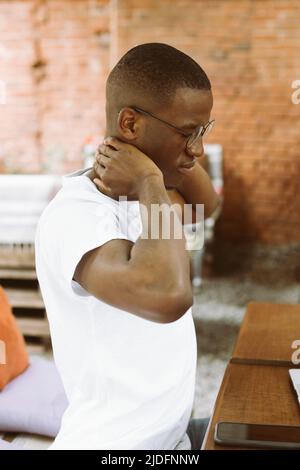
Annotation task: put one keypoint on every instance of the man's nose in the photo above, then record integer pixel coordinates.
(197, 148)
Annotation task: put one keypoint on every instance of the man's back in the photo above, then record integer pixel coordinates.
(130, 381)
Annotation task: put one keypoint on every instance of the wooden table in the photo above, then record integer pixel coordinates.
(267, 334)
(256, 387)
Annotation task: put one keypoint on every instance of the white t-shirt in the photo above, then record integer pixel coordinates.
(129, 381)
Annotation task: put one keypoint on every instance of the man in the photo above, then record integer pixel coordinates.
(119, 300)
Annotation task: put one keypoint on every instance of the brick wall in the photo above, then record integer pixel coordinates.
(55, 59)
(56, 55)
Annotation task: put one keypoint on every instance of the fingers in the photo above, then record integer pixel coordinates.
(112, 142)
(102, 159)
(104, 154)
(110, 146)
(98, 170)
(105, 150)
(101, 186)
(98, 181)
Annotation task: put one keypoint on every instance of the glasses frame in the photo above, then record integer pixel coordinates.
(199, 131)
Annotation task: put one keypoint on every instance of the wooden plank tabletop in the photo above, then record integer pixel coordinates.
(267, 334)
(254, 394)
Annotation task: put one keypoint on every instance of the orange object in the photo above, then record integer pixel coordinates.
(13, 355)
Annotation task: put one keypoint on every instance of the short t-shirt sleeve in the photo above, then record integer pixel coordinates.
(82, 229)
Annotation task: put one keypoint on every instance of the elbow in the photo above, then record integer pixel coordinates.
(176, 305)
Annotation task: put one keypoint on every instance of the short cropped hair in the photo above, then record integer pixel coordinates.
(153, 72)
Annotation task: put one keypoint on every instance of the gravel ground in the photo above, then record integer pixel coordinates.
(241, 275)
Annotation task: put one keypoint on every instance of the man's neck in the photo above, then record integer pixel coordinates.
(92, 174)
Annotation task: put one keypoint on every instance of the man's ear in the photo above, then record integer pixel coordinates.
(128, 124)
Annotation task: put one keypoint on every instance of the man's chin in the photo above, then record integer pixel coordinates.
(173, 182)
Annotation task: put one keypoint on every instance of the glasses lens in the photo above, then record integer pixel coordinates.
(201, 131)
(195, 135)
(208, 128)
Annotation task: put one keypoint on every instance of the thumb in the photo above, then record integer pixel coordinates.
(100, 185)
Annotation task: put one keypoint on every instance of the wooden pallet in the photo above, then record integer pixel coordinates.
(34, 327)
(17, 256)
(25, 298)
(17, 266)
(13, 273)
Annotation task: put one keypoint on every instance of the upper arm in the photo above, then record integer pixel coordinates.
(102, 269)
(107, 274)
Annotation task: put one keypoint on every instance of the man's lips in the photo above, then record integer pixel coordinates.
(187, 167)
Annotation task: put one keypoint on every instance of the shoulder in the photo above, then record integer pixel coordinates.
(77, 206)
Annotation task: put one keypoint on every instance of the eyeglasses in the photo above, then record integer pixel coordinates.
(192, 138)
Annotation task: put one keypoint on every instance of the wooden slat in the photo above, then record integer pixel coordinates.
(24, 298)
(17, 256)
(22, 274)
(254, 394)
(37, 348)
(34, 327)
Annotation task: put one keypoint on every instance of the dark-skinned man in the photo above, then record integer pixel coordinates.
(118, 298)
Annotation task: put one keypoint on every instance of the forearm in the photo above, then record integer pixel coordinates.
(161, 248)
(197, 188)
